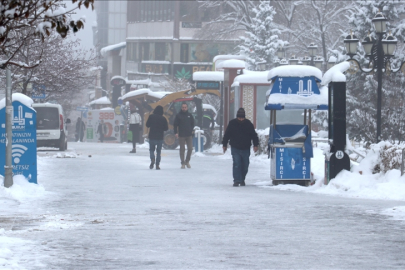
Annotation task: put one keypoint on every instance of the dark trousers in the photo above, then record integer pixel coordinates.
(158, 145)
(101, 137)
(183, 141)
(240, 164)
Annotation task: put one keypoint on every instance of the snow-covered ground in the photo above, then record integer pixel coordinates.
(98, 207)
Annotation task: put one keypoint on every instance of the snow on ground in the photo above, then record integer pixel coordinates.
(26, 197)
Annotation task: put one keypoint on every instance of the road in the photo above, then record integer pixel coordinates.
(107, 210)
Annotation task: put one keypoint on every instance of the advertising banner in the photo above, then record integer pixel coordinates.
(112, 123)
(24, 144)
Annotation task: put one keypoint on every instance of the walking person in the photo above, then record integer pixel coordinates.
(240, 133)
(102, 130)
(183, 128)
(157, 125)
(135, 122)
(80, 128)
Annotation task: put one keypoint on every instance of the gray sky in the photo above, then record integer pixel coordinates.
(85, 35)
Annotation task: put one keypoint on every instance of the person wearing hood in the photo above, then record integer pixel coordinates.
(183, 128)
(157, 125)
(240, 133)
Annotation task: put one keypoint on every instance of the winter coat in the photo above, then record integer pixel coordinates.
(157, 124)
(83, 127)
(102, 129)
(184, 124)
(240, 134)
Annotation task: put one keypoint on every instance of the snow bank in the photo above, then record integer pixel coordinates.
(27, 101)
(294, 71)
(21, 190)
(335, 73)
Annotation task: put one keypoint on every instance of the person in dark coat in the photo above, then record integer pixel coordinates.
(80, 128)
(135, 122)
(183, 128)
(240, 133)
(102, 130)
(157, 125)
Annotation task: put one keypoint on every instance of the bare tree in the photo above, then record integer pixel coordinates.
(22, 20)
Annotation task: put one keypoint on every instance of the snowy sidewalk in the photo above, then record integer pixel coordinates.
(110, 211)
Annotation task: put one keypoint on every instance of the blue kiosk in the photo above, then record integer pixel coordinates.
(292, 96)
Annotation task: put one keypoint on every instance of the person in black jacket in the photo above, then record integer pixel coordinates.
(183, 128)
(157, 125)
(240, 132)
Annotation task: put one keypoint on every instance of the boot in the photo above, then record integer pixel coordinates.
(183, 166)
(152, 163)
(188, 165)
(157, 167)
(133, 151)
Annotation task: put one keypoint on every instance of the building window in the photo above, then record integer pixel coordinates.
(144, 51)
(184, 52)
(160, 51)
(132, 51)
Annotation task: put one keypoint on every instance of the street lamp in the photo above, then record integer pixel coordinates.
(293, 60)
(318, 62)
(331, 62)
(379, 51)
(261, 66)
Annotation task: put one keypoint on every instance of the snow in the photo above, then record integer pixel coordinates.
(118, 77)
(335, 73)
(228, 57)
(252, 77)
(106, 49)
(156, 62)
(294, 71)
(210, 107)
(144, 91)
(286, 100)
(178, 218)
(231, 63)
(101, 101)
(212, 76)
(27, 101)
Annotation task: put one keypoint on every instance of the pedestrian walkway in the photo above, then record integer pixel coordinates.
(107, 210)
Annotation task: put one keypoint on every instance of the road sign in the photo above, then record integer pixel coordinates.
(38, 96)
(82, 109)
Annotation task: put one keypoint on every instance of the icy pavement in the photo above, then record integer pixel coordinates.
(100, 207)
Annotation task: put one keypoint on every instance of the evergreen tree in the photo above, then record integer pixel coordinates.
(362, 88)
(262, 40)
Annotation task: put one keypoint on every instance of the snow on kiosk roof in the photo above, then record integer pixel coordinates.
(294, 71)
(295, 87)
(27, 101)
(145, 92)
(211, 76)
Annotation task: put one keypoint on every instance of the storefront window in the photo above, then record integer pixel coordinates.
(262, 116)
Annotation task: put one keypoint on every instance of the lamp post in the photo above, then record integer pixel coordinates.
(379, 51)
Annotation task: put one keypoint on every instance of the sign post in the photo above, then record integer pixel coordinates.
(8, 169)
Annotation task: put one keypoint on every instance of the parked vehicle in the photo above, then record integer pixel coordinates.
(51, 125)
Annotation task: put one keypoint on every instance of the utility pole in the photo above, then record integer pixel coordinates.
(8, 169)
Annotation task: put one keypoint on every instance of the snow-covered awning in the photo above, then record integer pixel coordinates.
(144, 92)
(232, 63)
(101, 101)
(251, 77)
(114, 47)
(335, 73)
(294, 71)
(209, 76)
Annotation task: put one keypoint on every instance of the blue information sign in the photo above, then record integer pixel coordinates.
(82, 109)
(38, 91)
(208, 85)
(24, 144)
(291, 164)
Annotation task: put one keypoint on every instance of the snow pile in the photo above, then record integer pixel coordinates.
(8, 247)
(21, 190)
(335, 73)
(66, 155)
